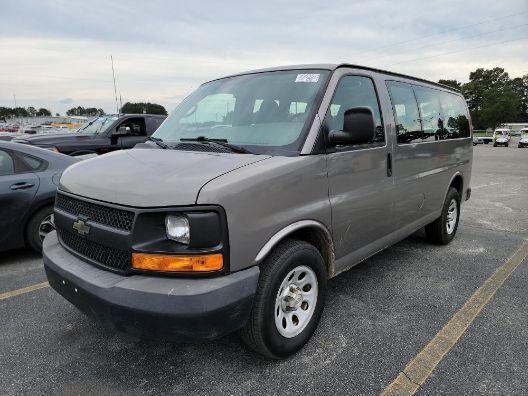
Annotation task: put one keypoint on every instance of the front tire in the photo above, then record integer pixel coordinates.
(443, 230)
(40, 225)
(289, 300)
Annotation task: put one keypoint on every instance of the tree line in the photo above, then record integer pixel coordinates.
(9, 112)
(493, 97)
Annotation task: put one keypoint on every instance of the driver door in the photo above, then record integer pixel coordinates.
(361, 186)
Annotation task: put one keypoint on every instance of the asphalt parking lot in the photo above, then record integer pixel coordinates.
(378, 317)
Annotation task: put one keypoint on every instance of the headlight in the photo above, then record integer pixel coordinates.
(177, 227)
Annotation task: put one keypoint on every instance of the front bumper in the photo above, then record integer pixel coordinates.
(185, 309)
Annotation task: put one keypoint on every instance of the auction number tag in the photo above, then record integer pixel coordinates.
(311, 78)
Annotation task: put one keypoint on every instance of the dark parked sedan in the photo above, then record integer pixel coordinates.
(28, 181)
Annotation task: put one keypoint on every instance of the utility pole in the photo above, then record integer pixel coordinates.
(14, 97)
(115, 89)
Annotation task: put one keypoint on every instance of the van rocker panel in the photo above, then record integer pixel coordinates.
(185, 309)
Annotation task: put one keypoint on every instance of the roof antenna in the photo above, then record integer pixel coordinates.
(115, 89)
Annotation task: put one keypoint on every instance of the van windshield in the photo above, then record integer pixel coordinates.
(267, 113)
(97, 125)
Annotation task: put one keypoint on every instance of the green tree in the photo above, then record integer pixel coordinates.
(42, 112)
(76, 111)
(143, 108)
(491, 98)
(451, 83)
(32, 111)
(520, 87)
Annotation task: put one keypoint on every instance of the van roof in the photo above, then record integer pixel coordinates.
(334, 66)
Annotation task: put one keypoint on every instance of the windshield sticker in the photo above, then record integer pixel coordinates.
(311, 78)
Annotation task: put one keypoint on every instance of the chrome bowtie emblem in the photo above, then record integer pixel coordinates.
(81, 227)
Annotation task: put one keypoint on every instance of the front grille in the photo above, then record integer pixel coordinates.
(112, 217)
(110, 257)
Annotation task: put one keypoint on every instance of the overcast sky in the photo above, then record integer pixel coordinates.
(56, 54)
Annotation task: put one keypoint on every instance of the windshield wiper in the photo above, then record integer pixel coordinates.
(158, 141)
(218, 142)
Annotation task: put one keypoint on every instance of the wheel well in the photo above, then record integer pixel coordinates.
(457, 183)
(322, 242)
(32, 213)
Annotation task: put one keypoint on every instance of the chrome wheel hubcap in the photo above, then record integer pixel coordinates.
(46, 226)
(452, 215)
(295, 301)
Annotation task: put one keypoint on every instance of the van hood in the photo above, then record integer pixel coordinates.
(150, 177)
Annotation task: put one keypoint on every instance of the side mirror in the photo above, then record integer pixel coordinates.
(358, 128)
(122, 131)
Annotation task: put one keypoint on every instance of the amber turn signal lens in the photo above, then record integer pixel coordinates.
(161, 262)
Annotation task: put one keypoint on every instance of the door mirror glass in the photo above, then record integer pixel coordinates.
(358, 128)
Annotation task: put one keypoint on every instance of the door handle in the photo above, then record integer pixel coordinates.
(389, 164)
(21, 186)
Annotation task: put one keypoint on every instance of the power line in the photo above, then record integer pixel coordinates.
(452, 41)
(462, 50)
(446, 31)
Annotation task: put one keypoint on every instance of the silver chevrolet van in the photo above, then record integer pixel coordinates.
(256, 190)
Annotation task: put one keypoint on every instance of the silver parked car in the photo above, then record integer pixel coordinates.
(255, 191)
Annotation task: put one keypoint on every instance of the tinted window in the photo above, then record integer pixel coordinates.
(456, 122)
(153, 124)
(406, 113)
(355, 91)
(31, 162)
(7, 167)
(136, 126)
(431, 113)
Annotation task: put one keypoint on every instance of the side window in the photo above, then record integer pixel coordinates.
(153, 123)
(456, 122)
(31, 163)
(406, 113)
(355, 91)
(216, 109)
(7, 166)
(136, 126)
(431, 113)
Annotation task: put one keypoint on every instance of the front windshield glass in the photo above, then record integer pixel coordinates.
(98, 125)
(267, 112)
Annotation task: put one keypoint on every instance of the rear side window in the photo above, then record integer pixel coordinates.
(456, 122)
(31, 163)
(355, 91)
(7, 166)
(153, 123)
(408, 126)
(431, 113)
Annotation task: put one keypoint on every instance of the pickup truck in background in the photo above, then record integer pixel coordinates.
(100, 135)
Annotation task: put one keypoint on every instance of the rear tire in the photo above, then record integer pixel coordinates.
(40, 224)
(443, 230)
(494, 144)
(289, 300)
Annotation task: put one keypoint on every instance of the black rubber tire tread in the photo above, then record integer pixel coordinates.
(32, 236)
(436, 231)
(252, 334)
